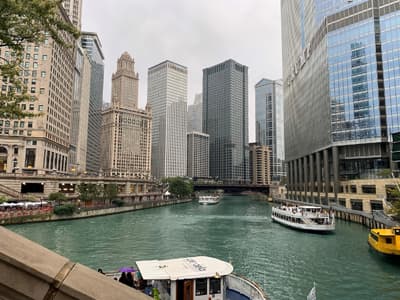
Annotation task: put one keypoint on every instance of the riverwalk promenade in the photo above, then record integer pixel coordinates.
(46, 213)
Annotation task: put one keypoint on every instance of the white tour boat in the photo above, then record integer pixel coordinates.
(192, 278)
(309, 218)
(208, 199)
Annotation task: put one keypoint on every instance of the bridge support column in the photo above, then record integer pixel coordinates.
(296, 180)
(312, 178)
(306, 180)
(301, 179)
(335, 161)
(326, 174)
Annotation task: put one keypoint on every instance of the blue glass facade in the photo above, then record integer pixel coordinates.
(341, 73)
(353, 82)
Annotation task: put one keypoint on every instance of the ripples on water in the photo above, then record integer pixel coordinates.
(284, 262)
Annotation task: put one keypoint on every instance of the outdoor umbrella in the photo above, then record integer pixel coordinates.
(127, 269)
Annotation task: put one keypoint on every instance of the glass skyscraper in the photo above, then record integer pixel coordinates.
(269, 124)
(341, 92)
(225, 119)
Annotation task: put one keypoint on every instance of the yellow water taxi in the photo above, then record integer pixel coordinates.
(385, 241)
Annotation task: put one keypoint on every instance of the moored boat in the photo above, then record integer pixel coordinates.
(193, 278)
(385, 241)
(208, 199)
(307, 218)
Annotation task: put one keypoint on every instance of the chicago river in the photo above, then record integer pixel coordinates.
(283, 261)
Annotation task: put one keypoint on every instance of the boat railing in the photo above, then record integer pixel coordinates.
(247, 287)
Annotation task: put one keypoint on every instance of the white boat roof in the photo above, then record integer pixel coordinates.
(183, 268)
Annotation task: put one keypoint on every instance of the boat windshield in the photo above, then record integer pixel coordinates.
(397, 231)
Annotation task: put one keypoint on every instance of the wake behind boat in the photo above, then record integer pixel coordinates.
(208, 200)
(308, 218)
(192, 278)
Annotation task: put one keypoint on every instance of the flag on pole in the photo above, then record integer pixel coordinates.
(312, 295)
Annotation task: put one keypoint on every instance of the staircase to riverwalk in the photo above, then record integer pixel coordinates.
(9, 192)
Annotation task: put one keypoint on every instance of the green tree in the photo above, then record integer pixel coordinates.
(3, 199)
(23, 22)
(110, 192)
(59, 197)
(180, 187)
(394, 195)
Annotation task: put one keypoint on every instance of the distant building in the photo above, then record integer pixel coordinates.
(91, 43)
(126, 129)
(260, 164)
(197, 154)
(195, 115)
(167, 96)
(270, 125)
(80, 112)
(41, 144)
(225, 119)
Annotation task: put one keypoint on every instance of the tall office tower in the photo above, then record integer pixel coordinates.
(91, 43)
(269, 123)
(225, 115)
(74, 11)
(126, 129)
(195, 115)
(80, 112)
(198, 154)
(40, 144)
(167, 96)
(260, 164)
(341, 92)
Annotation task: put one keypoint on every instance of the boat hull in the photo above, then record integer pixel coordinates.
(380, 246)
(305, 227)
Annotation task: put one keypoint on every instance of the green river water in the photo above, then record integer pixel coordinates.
(239, 229)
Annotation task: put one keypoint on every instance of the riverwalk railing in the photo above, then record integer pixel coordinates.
(376, 219)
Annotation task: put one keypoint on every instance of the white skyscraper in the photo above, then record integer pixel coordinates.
(167, 96)
(195, 114)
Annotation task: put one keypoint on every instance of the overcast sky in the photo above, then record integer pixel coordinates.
(194, 33)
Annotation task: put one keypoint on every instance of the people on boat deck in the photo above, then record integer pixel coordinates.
(123, 279)
(129, 279)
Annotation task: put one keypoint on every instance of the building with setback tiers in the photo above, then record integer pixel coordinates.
(167, 96)
(225, 119)
(126, 129)
(40, 145)
(341, 96)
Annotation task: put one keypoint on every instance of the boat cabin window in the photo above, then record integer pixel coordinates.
(374, 236)
(201, 286)
(388, 240)
(397, 231)
(215, 286)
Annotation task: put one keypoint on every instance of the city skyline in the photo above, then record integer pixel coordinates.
(189, 44)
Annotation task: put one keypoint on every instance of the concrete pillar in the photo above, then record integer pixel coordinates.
(319, 177)
(301, 178)
(326, 173)
(295, 179)
(306, 178)
(312, 178)
(335, 160)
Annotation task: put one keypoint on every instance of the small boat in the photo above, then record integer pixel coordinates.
(385, 241)
(208, 200)
(308, 218)
(193, 278)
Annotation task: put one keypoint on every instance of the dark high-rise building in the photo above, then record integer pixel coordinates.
(225, 119)
(341, 92)
(90, 41)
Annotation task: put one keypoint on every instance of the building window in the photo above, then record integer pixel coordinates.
(353, 189)
(41, 91)
(43, 74)
(33, 90)
(30, 124)
(368, 189)
(31, 106)
(35, 57)
(40, 107)
(35, 65)
(34, 74)
(30, 158)
(15, 124)
(44, 57)
(22, 124)
(7, 123)
(356, 204)
(376, 205)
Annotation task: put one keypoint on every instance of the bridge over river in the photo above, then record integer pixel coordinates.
(231, 188)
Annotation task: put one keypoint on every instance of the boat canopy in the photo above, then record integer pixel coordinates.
(183, 268)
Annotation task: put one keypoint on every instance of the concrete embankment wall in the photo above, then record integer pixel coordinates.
(91, 213)
(373, 220)
(29, 271)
